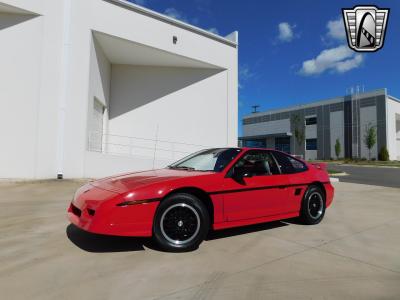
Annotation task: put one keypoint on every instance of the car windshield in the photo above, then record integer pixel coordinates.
(207, 160)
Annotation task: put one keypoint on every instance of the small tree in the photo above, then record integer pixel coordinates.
(298, 129)
(369, 138)
(338, 148)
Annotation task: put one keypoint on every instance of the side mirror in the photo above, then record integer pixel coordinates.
(241, 172)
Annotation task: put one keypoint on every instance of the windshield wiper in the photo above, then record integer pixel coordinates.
(182, 168)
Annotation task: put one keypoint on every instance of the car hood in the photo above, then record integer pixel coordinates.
(126, 182)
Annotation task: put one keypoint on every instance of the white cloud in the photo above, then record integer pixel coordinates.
(336, 29)
(244, 74)
(213, 30)
(340, 59)
(174, 13)
(349, 64)
(286, 33)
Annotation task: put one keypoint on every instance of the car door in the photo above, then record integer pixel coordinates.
(259, 193)
(297, 176)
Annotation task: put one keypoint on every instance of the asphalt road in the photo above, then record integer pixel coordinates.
(381, 176)
(352, 254)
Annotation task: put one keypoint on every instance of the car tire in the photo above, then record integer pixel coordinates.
(313, 206)
(181, 223)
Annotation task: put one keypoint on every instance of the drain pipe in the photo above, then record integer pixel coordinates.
(62, 100)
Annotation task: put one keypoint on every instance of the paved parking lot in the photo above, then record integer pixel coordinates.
(373, 175)
(354, 253)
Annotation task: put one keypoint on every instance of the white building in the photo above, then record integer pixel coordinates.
(96, 87)
(342, 120)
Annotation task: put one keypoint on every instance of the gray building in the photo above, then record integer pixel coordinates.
(312, 130)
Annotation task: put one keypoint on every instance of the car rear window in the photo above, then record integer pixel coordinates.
(288, 164)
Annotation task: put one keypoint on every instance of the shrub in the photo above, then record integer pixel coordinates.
(383, 154)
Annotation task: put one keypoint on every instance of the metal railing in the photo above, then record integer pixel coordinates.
(143, 147)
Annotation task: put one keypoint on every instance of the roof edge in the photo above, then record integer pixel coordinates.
(393, 98)
(158, 16)
(337, 99)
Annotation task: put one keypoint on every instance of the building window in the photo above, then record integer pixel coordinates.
(311, 144)
(311, 121)
(255, 143)
(282, 144)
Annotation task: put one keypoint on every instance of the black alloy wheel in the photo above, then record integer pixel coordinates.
(181, 223)
(313, 205)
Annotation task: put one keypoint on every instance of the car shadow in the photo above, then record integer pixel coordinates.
(98, 243)
(294, 221)
(225, 233)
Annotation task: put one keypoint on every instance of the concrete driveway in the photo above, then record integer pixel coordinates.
(354, 253)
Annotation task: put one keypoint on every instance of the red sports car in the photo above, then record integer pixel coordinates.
(213, 188)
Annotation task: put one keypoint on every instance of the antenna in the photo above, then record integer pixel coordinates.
(255, 108)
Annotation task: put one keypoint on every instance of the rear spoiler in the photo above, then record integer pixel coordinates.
(321, 166)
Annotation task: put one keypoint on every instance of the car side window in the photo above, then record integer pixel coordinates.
(288, 164)
(258, 163)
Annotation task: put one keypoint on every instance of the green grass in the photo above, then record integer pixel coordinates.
(393, 163)
(332, 172)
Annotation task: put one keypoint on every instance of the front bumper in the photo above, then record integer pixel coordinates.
(95, 210)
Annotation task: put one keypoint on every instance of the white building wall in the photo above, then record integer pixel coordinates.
(100, 74)
(30, 81)
(102, 165)
(104, 17)
(393, 131)
(32, 54)
(337, 131)
(21, 39)
(182, 102)
(99, 90)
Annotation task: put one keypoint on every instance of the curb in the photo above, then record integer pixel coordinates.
(370, 166)
(333, 179)
(35, 181)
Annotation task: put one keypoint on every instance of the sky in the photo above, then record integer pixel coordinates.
(293, 52)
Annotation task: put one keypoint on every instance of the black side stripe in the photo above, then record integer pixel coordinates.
(261, 188)
(135, 202)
